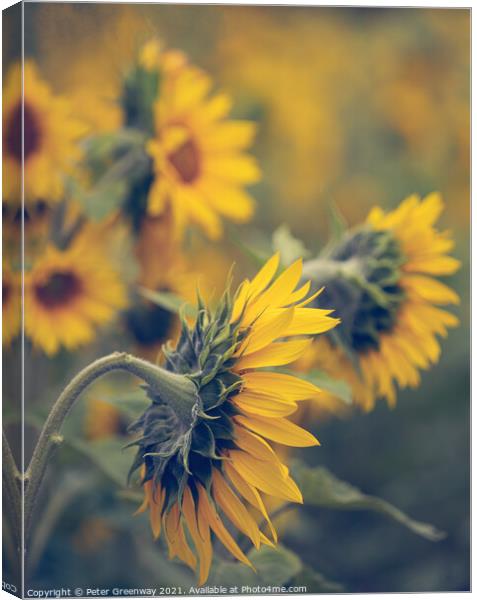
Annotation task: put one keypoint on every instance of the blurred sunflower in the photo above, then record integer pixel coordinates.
(102, 419)
(50, 135)
(202, 448)
(161, 269)
(199, 155)
(70, 292)
(11, 304)
(381, 278)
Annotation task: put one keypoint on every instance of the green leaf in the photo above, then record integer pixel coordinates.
(108, 455)
(290, 248)
(111, 178)
(103, 199)
(274, 566)
(169, 301)
(103, 147)
(322, 488)
(316, 583)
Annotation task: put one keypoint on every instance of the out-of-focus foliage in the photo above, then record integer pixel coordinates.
(353, 108)
(322, 488)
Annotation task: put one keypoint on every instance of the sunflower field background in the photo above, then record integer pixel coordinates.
(165, 144)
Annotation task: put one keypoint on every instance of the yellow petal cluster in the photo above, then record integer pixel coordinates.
(68, 293)
(200, 160)
(50, 141)
(411, 344)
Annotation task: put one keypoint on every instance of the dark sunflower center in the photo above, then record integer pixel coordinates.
(60, 289)
(31, 132)
(150, 323)
(186, 161)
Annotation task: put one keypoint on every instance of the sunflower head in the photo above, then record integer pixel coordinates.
(11, 303)
(380, 279)
(202, 448)
(70, 292)
(362, 279)
(49, 130)
(194, 163)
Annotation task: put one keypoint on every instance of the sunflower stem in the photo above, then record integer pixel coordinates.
(12, 484)
(326, 269)
(176, 390)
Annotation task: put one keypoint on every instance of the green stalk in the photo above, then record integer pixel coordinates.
(12, 482)
(326, 269)
(176, 390)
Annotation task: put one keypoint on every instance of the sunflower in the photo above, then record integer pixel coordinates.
(50, 135)
(203, 451)
(102, 419)
(199, 155)
(70, 292)
(11, 304)
(382, 278)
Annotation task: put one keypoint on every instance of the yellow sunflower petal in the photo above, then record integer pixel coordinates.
(430, 289)
(310, 321)
(155, 510)
(207, 512)
(277, 294)
(176, 540)
(279, 384)
(279, 430)
(241, 299)
(265, 406)
(257, 447)
(268, 328)
(271, 481)
(441, 265)
(265, 275)
(234, 509)
(248, 491)
(200, 534)
(274, 355)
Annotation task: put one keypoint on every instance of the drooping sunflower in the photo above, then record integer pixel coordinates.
(203, 452)
(200, 162)
(382, 279)
(11, 303)
(50, 135)
(69, 293)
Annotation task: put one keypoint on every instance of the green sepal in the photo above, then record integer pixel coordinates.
(361, 274)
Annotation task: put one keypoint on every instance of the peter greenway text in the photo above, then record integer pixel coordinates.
(164, 591)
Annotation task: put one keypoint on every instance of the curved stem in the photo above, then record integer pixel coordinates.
(12, 488)
(174, 387)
